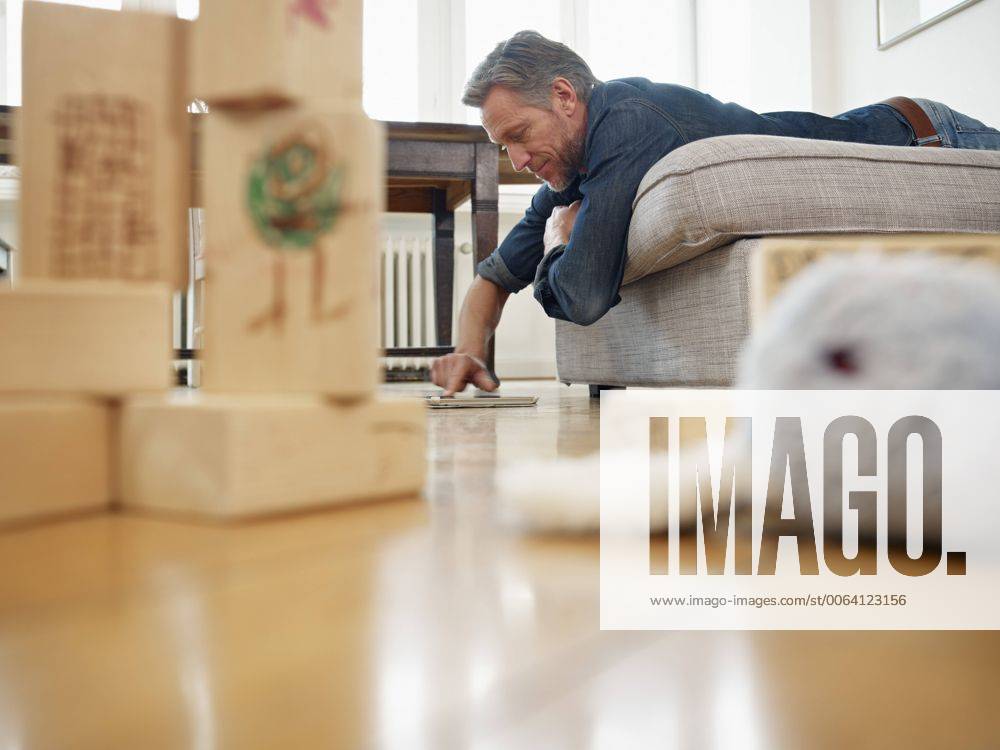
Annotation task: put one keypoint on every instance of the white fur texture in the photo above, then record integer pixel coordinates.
(563, 495)
(559, 495)
(904, 322)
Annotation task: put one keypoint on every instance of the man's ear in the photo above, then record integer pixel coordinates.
(564, 97)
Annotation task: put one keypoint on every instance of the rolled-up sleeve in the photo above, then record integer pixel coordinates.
(579, 281)
(513, 264)
(493, 268)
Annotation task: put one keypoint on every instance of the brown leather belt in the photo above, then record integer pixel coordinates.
(919, 121)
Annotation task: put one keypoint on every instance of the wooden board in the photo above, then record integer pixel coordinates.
(103, 145)
(290, 292)
(779, 260)
(55, 456)
(222, 456)
(270, 53)
(92, 337)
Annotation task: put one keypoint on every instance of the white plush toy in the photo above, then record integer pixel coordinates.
(915, 321)
(563, 495)
(870, 322)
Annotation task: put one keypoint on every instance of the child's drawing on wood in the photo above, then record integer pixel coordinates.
(294, 196)
(104, 207)
(314, 11)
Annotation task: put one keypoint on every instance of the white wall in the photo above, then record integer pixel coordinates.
(823, 56)
(526, 340)
(956, 61)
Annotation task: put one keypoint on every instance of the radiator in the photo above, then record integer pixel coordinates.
(406, 295)
(407, 299)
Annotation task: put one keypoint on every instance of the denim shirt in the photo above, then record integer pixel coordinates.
(632, 123)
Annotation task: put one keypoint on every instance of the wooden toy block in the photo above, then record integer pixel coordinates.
(271, 53)
(292, 200)
(779, 260)
(92, 337)
(104, 145)
(224, 456)
(55, 456)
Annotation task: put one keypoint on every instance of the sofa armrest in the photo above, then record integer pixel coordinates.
(714, 191)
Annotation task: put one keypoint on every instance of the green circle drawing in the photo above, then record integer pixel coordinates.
(293, 190)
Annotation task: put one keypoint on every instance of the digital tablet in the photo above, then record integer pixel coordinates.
(479, 401)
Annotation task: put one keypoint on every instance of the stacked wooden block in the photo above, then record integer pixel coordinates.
(288, 417)
(103, 152)
(293, 186)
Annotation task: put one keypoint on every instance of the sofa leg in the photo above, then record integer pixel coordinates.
(595, 390)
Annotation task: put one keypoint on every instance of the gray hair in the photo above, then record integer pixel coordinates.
(528, 63)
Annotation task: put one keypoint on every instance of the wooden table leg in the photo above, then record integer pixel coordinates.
(444, 266)
(485, 207)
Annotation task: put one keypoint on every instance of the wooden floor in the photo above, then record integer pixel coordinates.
(425, 623)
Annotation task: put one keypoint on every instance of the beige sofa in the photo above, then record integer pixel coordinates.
(700, 214)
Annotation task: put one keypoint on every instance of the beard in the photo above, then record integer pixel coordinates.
(570, 161)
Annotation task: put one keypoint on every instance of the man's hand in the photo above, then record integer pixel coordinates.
(479, 317)
(560, 225)
(453, 371)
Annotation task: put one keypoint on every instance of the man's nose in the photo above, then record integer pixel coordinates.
(519, 158)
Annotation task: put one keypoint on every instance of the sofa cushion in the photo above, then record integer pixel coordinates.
(714, 191)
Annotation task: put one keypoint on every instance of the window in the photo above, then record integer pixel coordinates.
(653, 39)
(419, 53)
(390, 59)
(484, 28)
(103, 4)
(10, 24)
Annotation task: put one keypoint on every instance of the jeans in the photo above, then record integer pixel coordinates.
(958, 130)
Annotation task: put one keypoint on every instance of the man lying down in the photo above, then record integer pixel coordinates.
(592, 142)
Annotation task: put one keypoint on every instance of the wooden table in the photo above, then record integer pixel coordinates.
(433, 168)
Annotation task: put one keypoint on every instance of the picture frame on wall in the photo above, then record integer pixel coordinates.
(897, 20)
